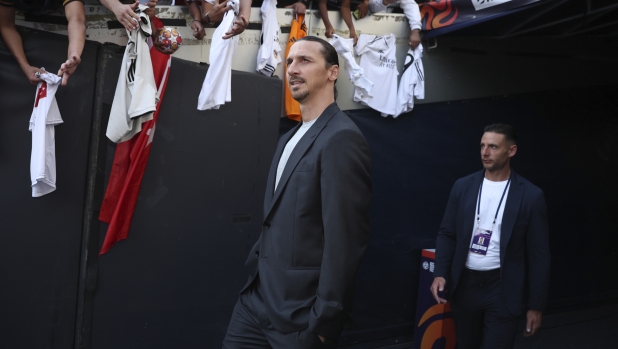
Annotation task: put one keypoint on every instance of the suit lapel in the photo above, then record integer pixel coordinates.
(299, 151)
(272, 173)
(471, 198)
(511, 210)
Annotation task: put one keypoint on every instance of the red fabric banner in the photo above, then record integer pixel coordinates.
(130, 163)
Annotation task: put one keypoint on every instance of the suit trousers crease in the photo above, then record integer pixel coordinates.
(250, 328)
(481, 317)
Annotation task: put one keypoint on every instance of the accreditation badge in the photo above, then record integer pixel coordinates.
(480, 241)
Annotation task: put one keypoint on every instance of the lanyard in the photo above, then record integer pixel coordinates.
(478, 207)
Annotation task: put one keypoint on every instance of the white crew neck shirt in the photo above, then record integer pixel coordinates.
(490, 198)
(290, 147)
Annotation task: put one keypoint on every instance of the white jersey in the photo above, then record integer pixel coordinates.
(217, 86)
(345, 48)
(136, 92)
(269, 55)
(45, 115)
(410, 9)
(412, 83)
(379, 63)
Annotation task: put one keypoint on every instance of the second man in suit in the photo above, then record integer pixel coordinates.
(302, 269)
(493, 242)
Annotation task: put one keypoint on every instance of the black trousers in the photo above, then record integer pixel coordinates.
(481, 317)
(250, 328)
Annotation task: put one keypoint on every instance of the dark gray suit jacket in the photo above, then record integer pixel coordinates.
(315, 228)
(524, 241)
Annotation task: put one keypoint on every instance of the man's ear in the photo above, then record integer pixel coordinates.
(512, 150)
(334, 73)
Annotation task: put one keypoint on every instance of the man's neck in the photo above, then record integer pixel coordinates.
(312, 109)
(499, 175)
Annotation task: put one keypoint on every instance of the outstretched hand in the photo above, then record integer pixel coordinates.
(68, 68)
(239, 26)
(415, 39)
(30, 71)
(219, 10)
(198, 30)
(298, 8)
(126, 15)
(363, 9)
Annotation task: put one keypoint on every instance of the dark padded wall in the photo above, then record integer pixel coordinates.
(40, 249)
(568, 146)
(173, 283)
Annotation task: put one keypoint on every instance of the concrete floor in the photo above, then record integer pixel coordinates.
(593, 328)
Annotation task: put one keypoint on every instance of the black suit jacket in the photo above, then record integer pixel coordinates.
(524, 241)
(315, 228)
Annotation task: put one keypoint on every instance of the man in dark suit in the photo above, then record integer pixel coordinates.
(493, 249)
(302, 270)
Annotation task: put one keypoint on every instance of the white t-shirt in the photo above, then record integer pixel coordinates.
(136, 95)
(269, 55)
(490, 197)
(45, 115)
(289, 147)
(217, 86)
(412, 83)
(345, 48)
(379, 64)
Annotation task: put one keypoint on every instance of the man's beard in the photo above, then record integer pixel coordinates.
(495, 166)
(299, 96)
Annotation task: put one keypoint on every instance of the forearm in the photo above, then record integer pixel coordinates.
(77, 28)
(11, 37)
(346, 14)
(194, 10)
(412, 12)
(245, 9)
(324, 13)
(539, 257)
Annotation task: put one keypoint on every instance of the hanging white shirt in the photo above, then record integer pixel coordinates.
(379, 64)
(289, 147)
(136, 92)
(412, 83)
(45, 115)
(345, 48)
(269, 55)
(490, 198)
(217, 86)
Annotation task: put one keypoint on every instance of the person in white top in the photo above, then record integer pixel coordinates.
(410, 9)
(45, 116)
(492, 250)
(379, 64)
(136, 95)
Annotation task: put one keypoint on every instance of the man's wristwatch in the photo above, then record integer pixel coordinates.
(208, 21)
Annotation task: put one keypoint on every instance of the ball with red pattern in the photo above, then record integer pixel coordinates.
(170, 38)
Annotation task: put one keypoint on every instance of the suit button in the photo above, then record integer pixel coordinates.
(266, 225)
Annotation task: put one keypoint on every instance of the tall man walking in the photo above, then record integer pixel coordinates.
(302, 270)
(492, 242)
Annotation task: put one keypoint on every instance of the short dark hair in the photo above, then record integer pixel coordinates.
(328, 52)
(507, 130)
